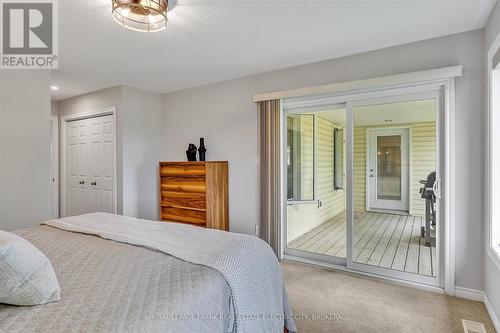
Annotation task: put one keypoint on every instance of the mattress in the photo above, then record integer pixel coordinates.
(115, 287)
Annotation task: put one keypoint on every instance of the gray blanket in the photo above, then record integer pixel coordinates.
(115, 287)
(247, 263)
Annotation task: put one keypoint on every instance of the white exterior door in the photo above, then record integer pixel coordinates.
(388, 169)
(90, 166)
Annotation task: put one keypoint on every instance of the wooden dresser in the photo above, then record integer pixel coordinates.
(195, 193)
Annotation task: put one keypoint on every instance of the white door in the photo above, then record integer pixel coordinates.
(90, 166)
(388, 169)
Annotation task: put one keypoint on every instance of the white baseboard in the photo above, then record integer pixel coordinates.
(492, 314)
(470, 294)
(480, 296)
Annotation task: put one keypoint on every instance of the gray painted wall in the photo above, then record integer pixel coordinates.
(24, 148)
(54, 108)
(491, 271)
(138, 146)
(142, 138)
(224, 114)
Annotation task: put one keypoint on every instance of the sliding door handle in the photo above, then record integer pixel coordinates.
(436, 188)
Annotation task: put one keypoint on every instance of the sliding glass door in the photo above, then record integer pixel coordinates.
(363, 182)
(395, 176)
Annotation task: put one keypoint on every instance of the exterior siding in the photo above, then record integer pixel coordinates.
(423, 157)
(359, 170)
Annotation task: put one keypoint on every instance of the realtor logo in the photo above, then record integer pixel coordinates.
(29, 34)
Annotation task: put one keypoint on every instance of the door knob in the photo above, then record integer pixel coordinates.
(81, 182)
(93, 183)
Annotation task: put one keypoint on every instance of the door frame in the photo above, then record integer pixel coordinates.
(442, 79)
(403, 131)
(110, 111)
(54, 170)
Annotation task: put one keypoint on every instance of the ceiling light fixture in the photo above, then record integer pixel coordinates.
(141, 15)
(54, 88)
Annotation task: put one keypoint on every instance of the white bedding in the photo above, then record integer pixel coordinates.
(26, 275)
(248, 264)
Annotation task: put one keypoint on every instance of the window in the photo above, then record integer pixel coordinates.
(300, 157)
(338, 160)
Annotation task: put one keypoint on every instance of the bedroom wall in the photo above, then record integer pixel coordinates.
(138, 146)
(224, 114)
(491, 270)
(24, 148)
(54, 108)
(142, 138)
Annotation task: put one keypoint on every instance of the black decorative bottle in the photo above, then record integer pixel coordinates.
(202, 150)
(191, 153)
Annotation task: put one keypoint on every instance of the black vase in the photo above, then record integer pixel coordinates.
(191, 153)
(202, 150)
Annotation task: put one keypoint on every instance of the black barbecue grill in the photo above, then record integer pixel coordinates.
(427, 193)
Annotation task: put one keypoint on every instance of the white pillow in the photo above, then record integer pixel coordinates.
(26, 275)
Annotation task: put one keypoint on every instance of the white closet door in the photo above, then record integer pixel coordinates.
(72, 190)
(90, 166)
(102, 164)
(77, 167)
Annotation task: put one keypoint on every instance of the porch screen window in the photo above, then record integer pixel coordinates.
(338, 161)
(300, 157)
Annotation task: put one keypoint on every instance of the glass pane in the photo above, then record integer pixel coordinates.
(300, 157)
(389, 167)
(390, 212)
(319, 226)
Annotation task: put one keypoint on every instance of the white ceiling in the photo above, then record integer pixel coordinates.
(385, 114)
(214, 40)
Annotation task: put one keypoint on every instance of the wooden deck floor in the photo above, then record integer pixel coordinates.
(385, 240)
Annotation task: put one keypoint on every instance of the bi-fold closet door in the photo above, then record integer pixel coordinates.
(90, 154)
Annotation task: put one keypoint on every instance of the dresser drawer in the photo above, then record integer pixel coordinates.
(184, 200)
(184, 215)
(184, 184)
(176, 169)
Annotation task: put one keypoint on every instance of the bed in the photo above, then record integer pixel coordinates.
(116, 286)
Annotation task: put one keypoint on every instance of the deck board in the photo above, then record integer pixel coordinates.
(378, 252)
(402, 250)
(374, 240)
(385, 240)
(424, 262)
(414, 248)
(391, 248)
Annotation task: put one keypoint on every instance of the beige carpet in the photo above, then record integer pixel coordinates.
(331, 301)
